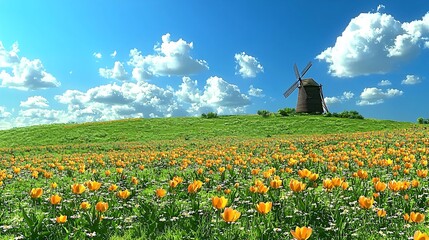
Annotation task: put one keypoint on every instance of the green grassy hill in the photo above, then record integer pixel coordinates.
(192, 128)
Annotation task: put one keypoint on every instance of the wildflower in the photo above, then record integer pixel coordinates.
(230, 215)
(264, 207)
(85, 205)
(124, 194)
(195, 186)
(219, 202)
(61, 219)
(101, 206)
(78, 188)
(55, 199)
(302, 233)
(36, 193)
(420, 236)
(365, 203)
(296, 185)
(93, 185)
(160, 192)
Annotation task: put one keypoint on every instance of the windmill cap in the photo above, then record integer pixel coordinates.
(309, 82)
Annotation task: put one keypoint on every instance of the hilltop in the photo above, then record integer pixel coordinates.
(188, 128)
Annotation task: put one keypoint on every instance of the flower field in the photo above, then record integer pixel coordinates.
(342, 186)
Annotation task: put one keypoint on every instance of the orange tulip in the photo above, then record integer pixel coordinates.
(296, 185)
(381, 213)
(124, 194)
(230, 215)
(93, 185)
(304, 173)
(54, 185)
(264, 208)
(302, 233)
(336, 181)
(417, 217)
(160, 192)
(36, 193)
(195, 186)
(219, 202)
(101, 206)
(422, 173)
(134, 180)
(313, 177)
(380, 186)
(420, 236)
(113, 187)
(55, 199)
(78, 188)
(276, 183)
(327, 184)
(85, 205)
(365, 203)
(61, 219)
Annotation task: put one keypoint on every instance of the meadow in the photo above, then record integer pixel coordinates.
(236, 177)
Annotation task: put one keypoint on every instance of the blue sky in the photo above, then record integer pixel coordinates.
(78, 61)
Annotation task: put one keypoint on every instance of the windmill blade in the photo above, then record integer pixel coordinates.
(304, 71)
(295, 68)
(291, 89)
(323, 100)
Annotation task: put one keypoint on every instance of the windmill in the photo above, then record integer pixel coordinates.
(310, 94)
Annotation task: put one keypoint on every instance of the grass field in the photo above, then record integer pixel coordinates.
(233, 177)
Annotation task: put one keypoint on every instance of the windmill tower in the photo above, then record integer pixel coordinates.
(310, 94)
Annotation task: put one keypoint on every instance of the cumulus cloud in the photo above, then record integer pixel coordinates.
(384, 83)
(97, 55)
(373, 96)
(171, 58)
(380, 7)
(247, 66)
(117, 72)
(375, 43)
(255, 92)
(35, 102)
(113, 54)
(339, 99)
(411, 80)
(22, 73)
(4, 113)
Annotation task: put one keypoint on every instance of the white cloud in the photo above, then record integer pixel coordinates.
(97, 55)
(117, 72)
(4, 113)
(171, 58)
(113, 54)
(35, 102)
(22, 73)
(339, 99)
(247, 66)
(384, 83)
(411, 80)
(373, 96)
(380, 7)
(255, 92)
(375, 43)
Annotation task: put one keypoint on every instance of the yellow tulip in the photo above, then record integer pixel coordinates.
(124, 194)
(93, 185)
(230, 215)
(113, 187)
(417, 217)
(264, 207)
(276, 183)
(219, 202)
(365, 203)
(61, 219)
(78, 188)
(296, 185)
(420, 236)
(380, 186)
(55, 199)
(195, 186)
(85, 205)
(301, 233)
(304, 173)
(381, 213)
(36, 193)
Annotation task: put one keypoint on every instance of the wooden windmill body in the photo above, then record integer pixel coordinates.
(310, 94)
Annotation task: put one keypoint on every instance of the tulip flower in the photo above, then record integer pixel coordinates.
(420, 236)
(276, 183)
(304, 173)
(85, 205)
(55, 199)
(113, 187)
(381, 213)
(301, 233)
(296, 185)
(36, 193)
(264, 207)
(101, 206)
(124, 194)
(61, 219)
(365, 203)
(417, 217)
(219, 202)
(195, 186)
(93, 185)
(380, 186)
(78, 188)
(230, 215)
(160, 193)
